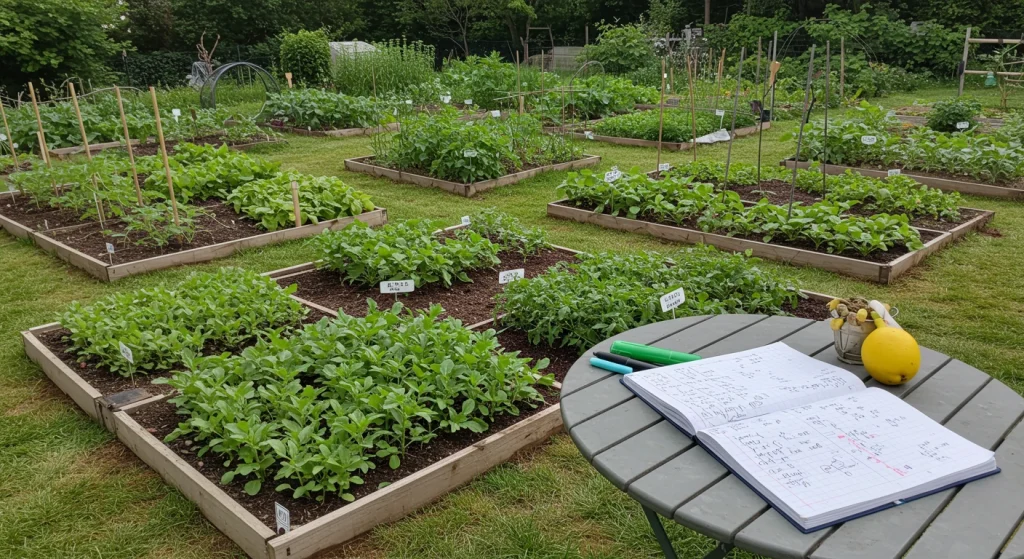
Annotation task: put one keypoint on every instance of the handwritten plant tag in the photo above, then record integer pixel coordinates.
(963, 125)
(664, 167)
(467, 102)
(446, 99)
(469, 153)
(509, 276)
(110, 248)
(613, 175)
(719, 112)
(397, 286)
(893, 172)
(496, 114)
(126, 352)
(588, 135)
(284, 519)
(465, 220)
(670, 301)
(869, 140)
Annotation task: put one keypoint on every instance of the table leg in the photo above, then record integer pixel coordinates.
(720, 551)
(659, 533)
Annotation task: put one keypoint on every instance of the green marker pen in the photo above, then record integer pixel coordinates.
(652, 354)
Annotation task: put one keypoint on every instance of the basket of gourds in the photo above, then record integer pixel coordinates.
(852, 320)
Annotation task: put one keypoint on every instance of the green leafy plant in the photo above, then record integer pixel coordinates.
(395, 66)
(579, 304)
(620, 48)
(316, 410)
(947, 113)
(269, 201)
(645, 125)
(322, 110)
(507, 231)
(403, 251)
(307, 55)
(160, 325)
(154, 225)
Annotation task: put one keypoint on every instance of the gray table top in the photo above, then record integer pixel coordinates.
(657, 465)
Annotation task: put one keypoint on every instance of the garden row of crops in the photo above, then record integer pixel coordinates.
(310, 407)
(101, 118)
(857, 215)
(102, 192)
(675, 125)
(874, 137)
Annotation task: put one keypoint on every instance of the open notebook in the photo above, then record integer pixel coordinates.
(809, 437)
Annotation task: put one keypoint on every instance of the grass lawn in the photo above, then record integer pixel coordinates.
(69, 489)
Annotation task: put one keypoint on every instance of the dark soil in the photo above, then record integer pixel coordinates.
(880, 257)
(561, 358)
(22, 166)
(22, 210)
(161, 419)
(776, 191)
(941, 225)
(469, 302)
(220, 224)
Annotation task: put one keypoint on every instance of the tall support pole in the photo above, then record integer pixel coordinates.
(824, 152)
(128, 145)
(691, 79)
(757, 73)
(10, 139)
(163, 151)
(775, 58)
(735, 109)
(661, 116)
(963, 62)
(800, 134)
(842, 67)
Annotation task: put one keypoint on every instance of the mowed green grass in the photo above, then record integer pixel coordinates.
(69, 489)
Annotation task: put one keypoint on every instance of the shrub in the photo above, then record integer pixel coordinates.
(620, 49)
(945, 114)
(307, 55)
(158, 68)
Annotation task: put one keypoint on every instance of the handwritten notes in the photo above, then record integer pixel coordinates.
(740, 385)
(868, 448)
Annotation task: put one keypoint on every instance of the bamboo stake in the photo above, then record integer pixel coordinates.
(42, 136)
(718, 77)
(163, 151)
(288, 76)
(373, 79)
(10, 139)
(732, 131)
(519, 84)
(800, 134)
(81, 123)
(775, 58)
(842, 67)
(757, 73)
(661, 116)
(295, 204)
(542, 56)
(693, 110)
(824, 152)
(128, 144)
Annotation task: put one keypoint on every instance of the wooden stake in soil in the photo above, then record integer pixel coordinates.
(757, 73)
(800, 134)
(163, 151)
(81, 123)
(732, 131)
(773, 71)
(718, 77)
(288, 76)
(824, 152)
(10, 139)
(295, 204)
(693, 110)
(842, 67)
(39, 123)
(661, 116)
(128, 144)
(519, 85)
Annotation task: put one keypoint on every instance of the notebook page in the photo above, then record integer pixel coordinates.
(836, 454)
(746, 384)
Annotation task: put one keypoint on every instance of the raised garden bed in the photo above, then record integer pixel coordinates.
(366, 165)
(942, 183)
(346, 132)
(671, 146)
(879, 271)
(82, 246)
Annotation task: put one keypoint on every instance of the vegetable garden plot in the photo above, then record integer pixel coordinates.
(875, 142)
(280, 404)
(824, 234)
(466, 157)
(594, 130)
(224, 202)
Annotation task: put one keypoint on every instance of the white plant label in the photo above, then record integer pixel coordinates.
(465, 220)
(399, 286)
(110, 248)
(893, 172)
(175, 113)
(719, 112)
(396, 111)
(284, 519)
(613, 175)
(670, 301)
(664, 166)
(963, 125)
(664, 76)
(469, 153)
(126, 352)
(446, 99)
(496, 114)
(3, 137)
(868, 140)
(10, 187)
(890, 114)
(15, 146)
(408, 101)
(509, 276)
(589, 135)
(467, 102)
(668, 87)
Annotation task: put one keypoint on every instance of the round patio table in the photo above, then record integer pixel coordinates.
(671, 477)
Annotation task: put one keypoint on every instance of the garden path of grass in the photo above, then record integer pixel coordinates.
(68, 489)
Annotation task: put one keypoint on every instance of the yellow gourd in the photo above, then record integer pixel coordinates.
(890, 355)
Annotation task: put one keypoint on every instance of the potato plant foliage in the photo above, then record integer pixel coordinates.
(678, 127)
(580, 304)
(269, 201)
(314, 411)
(403, 251)
(318, 109)
(228, 308)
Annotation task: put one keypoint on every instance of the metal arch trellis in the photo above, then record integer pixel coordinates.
(208, 92)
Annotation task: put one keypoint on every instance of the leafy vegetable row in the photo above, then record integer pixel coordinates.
(680, 201)
(644, 125)
(313, 411)
(324, 110)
